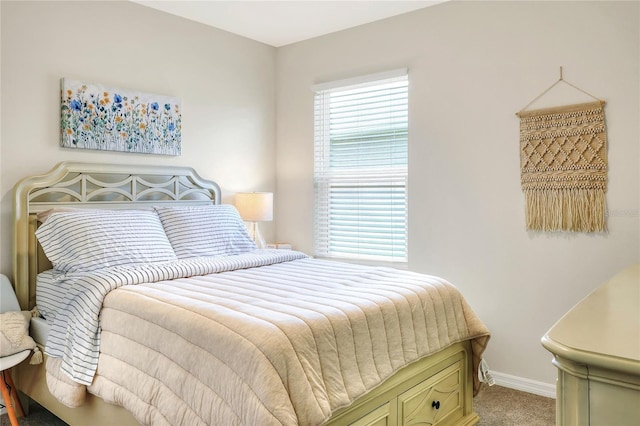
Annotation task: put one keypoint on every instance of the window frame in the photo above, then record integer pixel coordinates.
(395, 178)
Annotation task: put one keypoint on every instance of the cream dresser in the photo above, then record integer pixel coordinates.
(596, 348)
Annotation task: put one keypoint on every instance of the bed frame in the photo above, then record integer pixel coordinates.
(110, 186)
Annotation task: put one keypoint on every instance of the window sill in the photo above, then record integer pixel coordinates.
(389, 264)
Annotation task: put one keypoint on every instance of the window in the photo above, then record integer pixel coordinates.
(360, 168)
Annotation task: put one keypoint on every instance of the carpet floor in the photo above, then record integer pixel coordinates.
(500, 406)
(496, 406)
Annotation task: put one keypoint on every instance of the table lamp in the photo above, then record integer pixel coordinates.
(255, 207)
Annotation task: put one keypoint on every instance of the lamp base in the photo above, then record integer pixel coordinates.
(254, 233)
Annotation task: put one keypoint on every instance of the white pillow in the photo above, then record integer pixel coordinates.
(201, 231)
(86, 240)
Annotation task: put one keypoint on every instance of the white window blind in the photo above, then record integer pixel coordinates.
(360, 168)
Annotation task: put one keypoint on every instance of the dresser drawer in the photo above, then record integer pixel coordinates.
(437, 400)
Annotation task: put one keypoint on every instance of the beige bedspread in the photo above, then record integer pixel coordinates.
(283, 344)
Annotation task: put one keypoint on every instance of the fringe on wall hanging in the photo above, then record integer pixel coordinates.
(563, 159)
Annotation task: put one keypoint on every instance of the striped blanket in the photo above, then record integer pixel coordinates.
(75, 333)
(269, 338)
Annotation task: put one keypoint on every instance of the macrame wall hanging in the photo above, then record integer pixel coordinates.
(563, 162)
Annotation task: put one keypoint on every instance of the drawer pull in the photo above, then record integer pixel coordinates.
(436, 405)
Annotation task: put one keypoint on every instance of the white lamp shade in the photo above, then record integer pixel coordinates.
(255, 206)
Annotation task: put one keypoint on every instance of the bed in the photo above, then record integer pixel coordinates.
(230, 336)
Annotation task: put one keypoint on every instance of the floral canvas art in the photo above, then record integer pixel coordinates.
(97, 117)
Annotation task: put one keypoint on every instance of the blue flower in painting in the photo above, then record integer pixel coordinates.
(154, 106)
(76, 105)
(167, 107)
(172, 127)
(117, 98)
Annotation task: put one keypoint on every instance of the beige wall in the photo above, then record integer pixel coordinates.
(226, 84)
(472, 65)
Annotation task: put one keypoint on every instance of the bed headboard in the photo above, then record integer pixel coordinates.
(96, 186)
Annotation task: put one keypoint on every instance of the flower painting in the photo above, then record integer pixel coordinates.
(103, 118)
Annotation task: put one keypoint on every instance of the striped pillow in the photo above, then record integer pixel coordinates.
(86, 240)
(201, 231)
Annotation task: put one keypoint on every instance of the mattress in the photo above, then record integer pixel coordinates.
(50, 295)
(39, 330)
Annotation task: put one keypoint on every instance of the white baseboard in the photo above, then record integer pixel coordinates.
(524, 385)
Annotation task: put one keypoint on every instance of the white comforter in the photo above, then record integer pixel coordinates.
(285, 343)
(75, 333)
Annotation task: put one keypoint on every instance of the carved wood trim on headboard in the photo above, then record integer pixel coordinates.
(97, 186)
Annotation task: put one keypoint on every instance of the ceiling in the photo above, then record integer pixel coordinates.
(279, 23)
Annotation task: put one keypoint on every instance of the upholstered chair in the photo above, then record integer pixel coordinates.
(9, 303)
